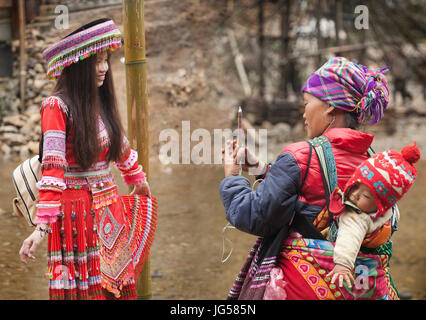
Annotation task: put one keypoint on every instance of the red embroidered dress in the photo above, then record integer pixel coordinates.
(99, 239)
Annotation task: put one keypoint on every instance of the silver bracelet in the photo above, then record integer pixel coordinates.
(265, 167)
(41, 230)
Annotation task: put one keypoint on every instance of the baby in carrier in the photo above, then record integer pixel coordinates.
(363, 208)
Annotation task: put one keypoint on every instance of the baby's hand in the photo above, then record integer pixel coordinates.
(343, 273)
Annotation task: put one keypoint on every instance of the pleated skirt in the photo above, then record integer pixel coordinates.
(75, 247)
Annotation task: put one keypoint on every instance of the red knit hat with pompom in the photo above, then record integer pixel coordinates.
(388, 175)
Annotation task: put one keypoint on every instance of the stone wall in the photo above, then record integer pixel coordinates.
(20, 122)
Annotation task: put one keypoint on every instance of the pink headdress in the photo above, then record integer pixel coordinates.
(92, 38)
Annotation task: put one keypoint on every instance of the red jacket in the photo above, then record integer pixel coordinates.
(349, 149)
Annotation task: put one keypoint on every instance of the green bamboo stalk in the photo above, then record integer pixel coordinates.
(137, 102)
(22, 53)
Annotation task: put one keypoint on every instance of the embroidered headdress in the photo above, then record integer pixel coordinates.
(351, 87)
(94, 37)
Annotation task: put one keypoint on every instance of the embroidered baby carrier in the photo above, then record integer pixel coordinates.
(310, 258)
(372, 262)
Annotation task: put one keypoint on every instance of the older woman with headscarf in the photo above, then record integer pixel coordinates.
(338, 97)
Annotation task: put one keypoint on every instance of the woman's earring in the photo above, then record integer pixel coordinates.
(329, 125)
(332, 121)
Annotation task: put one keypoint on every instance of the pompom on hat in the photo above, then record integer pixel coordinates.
(90, 39)
(351, 87)
(388, 175)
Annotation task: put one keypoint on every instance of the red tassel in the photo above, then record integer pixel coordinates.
(411, 153)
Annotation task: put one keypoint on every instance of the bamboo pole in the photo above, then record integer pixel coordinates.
(22, 55)
(137, 102)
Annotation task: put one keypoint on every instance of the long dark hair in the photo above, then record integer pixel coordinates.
(77, 85)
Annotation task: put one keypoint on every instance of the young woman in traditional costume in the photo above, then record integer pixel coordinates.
(98, 240)
(337, 97)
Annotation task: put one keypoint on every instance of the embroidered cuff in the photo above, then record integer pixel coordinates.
(136, 176)
(50, 161)
(51, 183)
(47, 212)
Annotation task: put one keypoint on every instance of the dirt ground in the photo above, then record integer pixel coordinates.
(188, 79)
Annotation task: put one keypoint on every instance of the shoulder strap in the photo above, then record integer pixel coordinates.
(327, 162)
(371, 151)
(307, 168)
(299, 222)
(329, 175)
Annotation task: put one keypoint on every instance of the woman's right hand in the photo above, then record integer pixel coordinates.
(30, 244)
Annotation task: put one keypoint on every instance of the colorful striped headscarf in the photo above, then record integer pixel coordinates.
(352, 87)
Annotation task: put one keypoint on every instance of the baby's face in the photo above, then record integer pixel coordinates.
(361, 196)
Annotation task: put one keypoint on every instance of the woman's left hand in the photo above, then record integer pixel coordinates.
(31, 243)
(142, 188)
